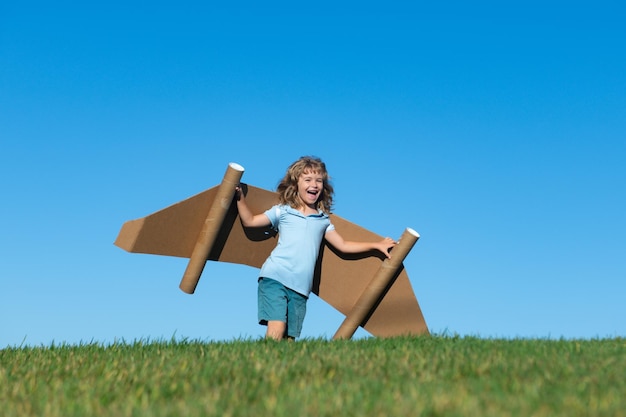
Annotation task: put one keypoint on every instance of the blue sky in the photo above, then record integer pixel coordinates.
(497, 132)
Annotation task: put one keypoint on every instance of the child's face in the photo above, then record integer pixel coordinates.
(310, 186)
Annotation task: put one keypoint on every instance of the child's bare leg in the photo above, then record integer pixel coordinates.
(276, 329)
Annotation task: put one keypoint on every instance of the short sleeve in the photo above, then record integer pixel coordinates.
(273, 214)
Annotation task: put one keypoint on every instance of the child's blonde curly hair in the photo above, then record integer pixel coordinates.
(288, 187)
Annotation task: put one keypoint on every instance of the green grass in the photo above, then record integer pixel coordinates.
(424, 376)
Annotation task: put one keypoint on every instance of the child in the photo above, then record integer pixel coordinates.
(302, 221)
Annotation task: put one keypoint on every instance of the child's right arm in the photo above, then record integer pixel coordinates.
(248, 219)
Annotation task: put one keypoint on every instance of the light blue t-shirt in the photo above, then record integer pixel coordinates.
(292, 262)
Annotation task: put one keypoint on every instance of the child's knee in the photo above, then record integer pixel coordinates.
(276, 329)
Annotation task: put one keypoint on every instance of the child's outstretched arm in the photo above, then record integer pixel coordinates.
(347, 246)
(248, 219)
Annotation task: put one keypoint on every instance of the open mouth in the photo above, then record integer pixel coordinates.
(312, 193)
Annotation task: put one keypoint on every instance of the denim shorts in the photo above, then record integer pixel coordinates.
(277, 302)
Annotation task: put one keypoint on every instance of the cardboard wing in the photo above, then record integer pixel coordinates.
(341, 280)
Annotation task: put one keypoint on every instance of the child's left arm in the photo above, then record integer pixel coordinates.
(347, 246)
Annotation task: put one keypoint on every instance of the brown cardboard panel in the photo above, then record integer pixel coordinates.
(340, 278)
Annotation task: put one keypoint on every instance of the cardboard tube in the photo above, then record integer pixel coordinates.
(371, 295)
(211, 227)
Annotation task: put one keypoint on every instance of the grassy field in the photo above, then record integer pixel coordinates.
(424, 376)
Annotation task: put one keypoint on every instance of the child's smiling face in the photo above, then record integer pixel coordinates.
(310, 186)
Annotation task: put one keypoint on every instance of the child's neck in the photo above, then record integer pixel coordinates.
(306, 209)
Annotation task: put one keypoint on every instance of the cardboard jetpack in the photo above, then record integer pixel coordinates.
(370, 290)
